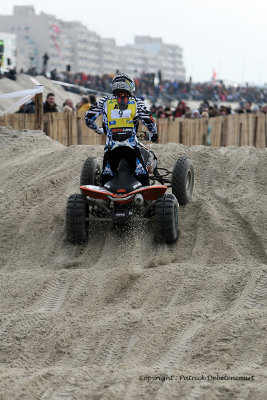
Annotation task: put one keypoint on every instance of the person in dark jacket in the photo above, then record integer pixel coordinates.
(50, 105)
(30, 106)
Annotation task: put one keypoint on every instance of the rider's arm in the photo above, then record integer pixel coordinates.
(91, 115)
(147, 118)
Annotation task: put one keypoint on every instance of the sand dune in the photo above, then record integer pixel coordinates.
(93, 321)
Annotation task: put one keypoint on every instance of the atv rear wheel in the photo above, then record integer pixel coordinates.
(166, 218)
(183, 180)
(77, 218)
(91, 172)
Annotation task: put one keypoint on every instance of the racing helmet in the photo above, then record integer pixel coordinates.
(123, 82)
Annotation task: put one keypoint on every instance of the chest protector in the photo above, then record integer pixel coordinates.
(120, 122)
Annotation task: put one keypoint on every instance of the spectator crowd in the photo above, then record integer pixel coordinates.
(182, 110)
(153, 89)
(50, 105)
(163, 93)
(169, 99)
(205, 109)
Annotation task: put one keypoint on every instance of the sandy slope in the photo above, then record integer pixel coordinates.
(85, 322)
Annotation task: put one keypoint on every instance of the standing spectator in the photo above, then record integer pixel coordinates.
(205, 116)
(160, 112)
(255, 109)
(50, 105)
(68, 105)
(92, 99)
(168, 113)
(21, 110)
(240, 110)
(180, 110)
(247, 107)
(84, 106)
(214, 112)
(223, 110)
(45, 61)
(30, 106)
(195, 114)
(153, 110)
(187, 112)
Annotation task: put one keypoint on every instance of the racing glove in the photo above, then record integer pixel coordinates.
(100, 130)
(154, 137)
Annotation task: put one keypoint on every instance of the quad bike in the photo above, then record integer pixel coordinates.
(123, 197)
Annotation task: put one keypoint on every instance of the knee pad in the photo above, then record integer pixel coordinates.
(139, 170)
(107, 170)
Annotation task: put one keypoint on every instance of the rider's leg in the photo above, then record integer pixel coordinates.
(141, 172)
(107, 173)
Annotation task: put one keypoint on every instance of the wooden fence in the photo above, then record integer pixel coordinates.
(236, 129)
(66, 128)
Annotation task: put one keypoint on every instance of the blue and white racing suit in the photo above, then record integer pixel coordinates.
(120, 128)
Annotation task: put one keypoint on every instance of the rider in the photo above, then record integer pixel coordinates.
(121, 115)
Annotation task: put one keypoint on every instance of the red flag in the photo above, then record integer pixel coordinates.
(56, 28)
(213, 75)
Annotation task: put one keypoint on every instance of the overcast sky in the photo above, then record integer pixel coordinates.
(229, 36)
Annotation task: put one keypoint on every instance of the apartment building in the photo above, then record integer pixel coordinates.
(7, 51)
(132, 59)
(84, 46)
(36, 35)
(109, 58)
(72, 44)
(161, 56)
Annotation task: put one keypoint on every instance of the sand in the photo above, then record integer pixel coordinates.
(94, 321)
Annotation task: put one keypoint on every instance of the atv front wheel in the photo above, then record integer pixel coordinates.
(77, 219)
(183, 180)
(166, 218)
(91, 172)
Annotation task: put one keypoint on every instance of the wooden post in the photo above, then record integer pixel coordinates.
(39, 123)
(240, 134)
(181, 132)
(205, 132)
(79, 131)
(255, 130)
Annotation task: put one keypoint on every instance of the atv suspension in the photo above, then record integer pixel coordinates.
(162, 175)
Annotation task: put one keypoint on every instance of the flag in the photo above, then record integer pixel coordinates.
(56, 28)
(214, 74)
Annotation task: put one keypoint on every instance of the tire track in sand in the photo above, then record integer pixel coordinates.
(256, 298)
(32, 383)
(208, 391)
(173, 358)
(258, 295)
(53, 296)
(178, 349)
(197, 392)
(69, 384)
(253, 298)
